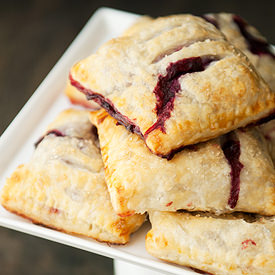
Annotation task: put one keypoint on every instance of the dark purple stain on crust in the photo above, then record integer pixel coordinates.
(192, 147)
(168, 86)
(51, 132)
(232, 151)
(256, 45)
(108, 106)
(211, 20)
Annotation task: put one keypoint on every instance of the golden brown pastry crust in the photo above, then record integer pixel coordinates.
(129, 77)
(230, 244)
(198, 178)
(264, 62)
(63, 185)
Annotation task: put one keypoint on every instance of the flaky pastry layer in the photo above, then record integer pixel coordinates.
(63, 185)
(231, 173)
(230, 244)
(175, 81)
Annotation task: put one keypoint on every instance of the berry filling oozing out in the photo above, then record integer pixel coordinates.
(168, 86)
(232, 151)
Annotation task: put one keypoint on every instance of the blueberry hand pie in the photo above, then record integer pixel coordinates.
(63, 185)
(175, 82)
(231, 173)
(246, 38)
(224, 245)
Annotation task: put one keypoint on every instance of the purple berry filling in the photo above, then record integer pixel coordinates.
(168, 85)
(51, 132)
(108, 106)
(256, 45)
(232, 151)
(172, 153)
(211, 20)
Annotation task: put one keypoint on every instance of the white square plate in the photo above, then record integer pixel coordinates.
(16, 144)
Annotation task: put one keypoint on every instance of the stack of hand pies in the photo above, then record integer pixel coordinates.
(186, 131)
